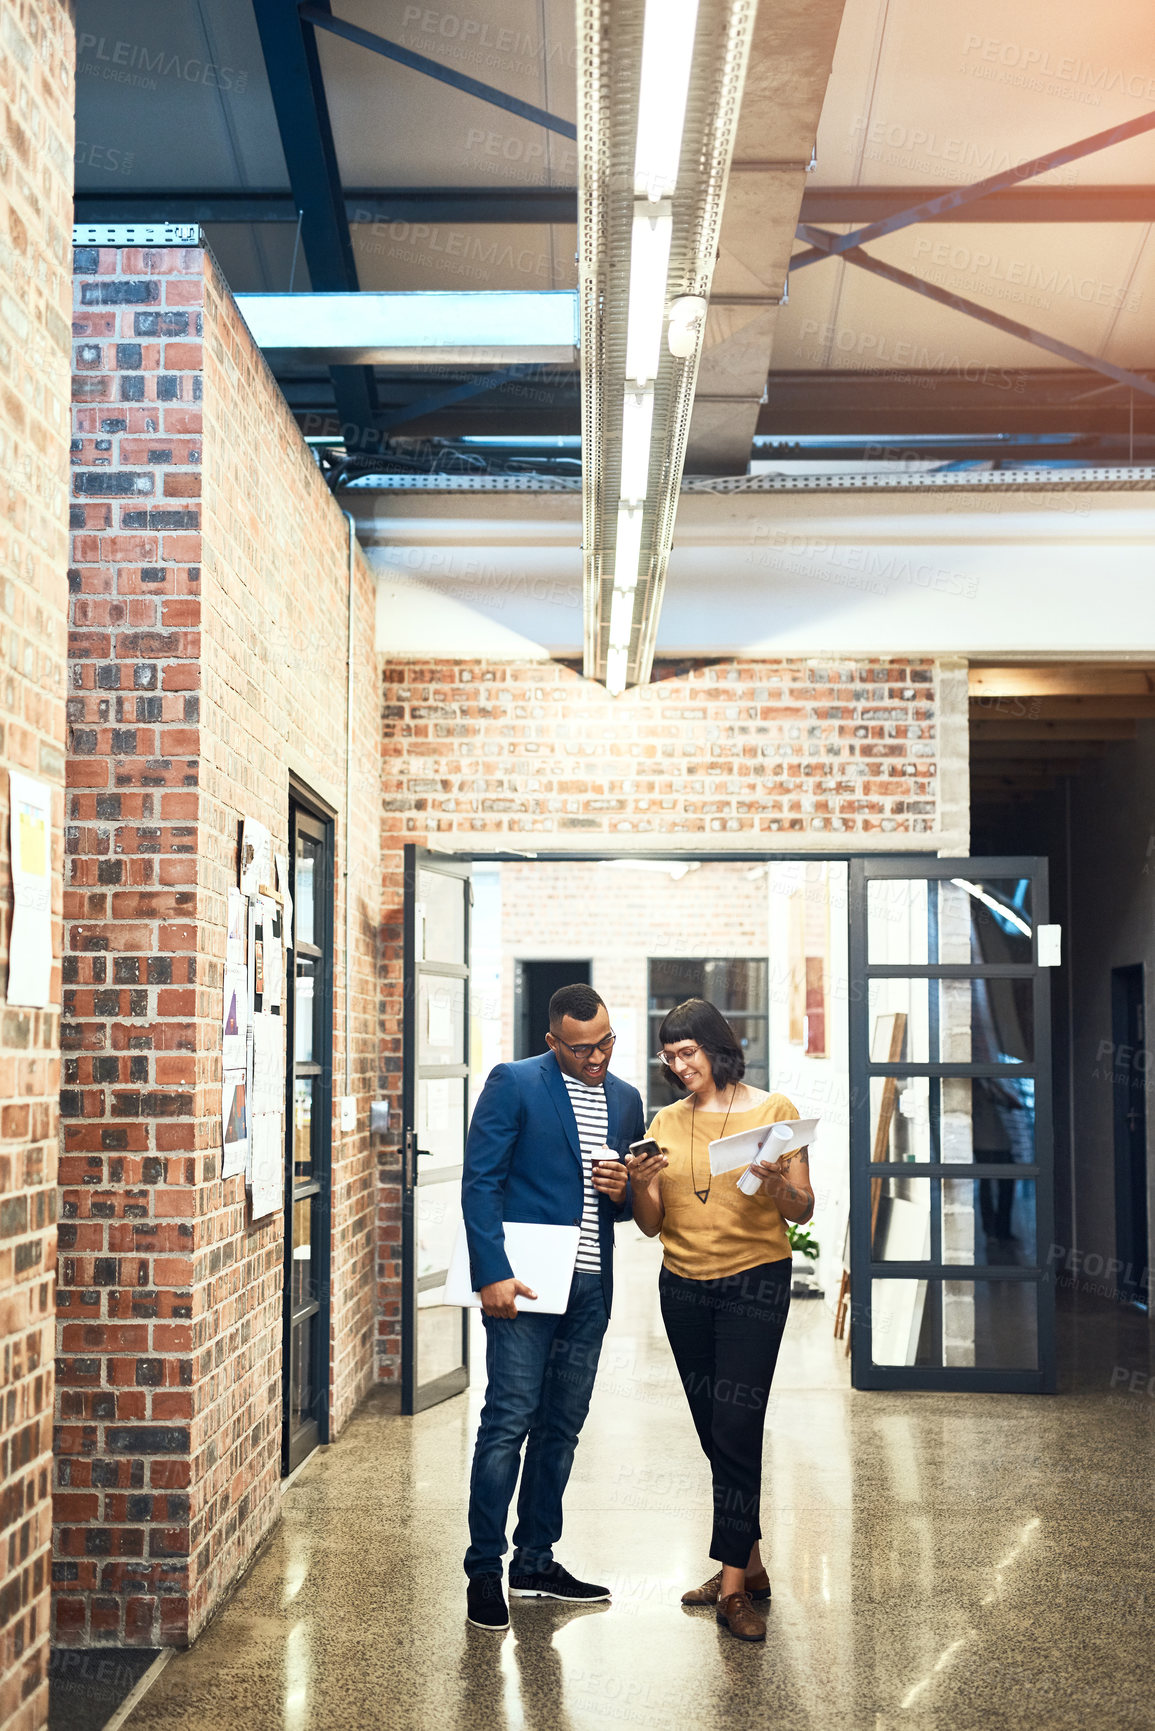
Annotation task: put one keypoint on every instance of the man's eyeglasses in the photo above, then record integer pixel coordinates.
(588, 1051)
(672, 1059)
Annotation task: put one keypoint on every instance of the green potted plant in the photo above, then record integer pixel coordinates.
(803, 1244)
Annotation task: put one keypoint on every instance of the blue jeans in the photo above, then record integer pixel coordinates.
(541, 1373)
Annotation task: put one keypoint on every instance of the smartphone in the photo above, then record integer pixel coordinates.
(643, 1149)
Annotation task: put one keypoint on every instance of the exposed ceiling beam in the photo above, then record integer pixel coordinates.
(1027, 709)
(920, 396)
(321, 16)
(1020, 204)
(1077, 730)
(945, 202)
(558, 204)
(461, 204)
(1076, 679)
(985, 315)
(302, 112)
(1038, 750)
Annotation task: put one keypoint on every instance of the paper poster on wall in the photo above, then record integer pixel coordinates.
(272, 953)
(236, 932)
(267, 1164)
(234, 1124)
(30, 941)
(256, 858)
(235, 1023)
(268, 1064)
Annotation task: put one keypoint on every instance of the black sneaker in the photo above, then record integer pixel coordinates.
(554, 1582)
(486, 1607)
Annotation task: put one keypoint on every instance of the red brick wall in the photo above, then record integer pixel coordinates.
(747, 754)
(208, 662)
(36, 73)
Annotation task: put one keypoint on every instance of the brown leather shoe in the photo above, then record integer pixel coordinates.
(736, 1612)
(758, 1587)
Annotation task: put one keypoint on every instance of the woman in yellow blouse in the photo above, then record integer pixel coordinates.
(725, 1282)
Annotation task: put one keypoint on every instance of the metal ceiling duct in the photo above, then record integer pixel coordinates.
(647, 211)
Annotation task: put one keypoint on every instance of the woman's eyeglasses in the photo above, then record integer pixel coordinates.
(672, 1059)
(588, 1051)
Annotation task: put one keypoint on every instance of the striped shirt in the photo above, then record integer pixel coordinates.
(589, 1108)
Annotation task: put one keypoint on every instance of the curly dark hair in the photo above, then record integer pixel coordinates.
(700, 1021)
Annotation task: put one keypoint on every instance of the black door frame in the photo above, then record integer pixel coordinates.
(863, 1171)
(416, 1396)
(296, 1446)
(1128, 1083)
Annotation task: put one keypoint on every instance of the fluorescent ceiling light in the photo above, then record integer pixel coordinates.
(637, 428)
(628, 546)
(616, 671)
(473, 328)
(667, 50)
(649, 269)
(622, 617)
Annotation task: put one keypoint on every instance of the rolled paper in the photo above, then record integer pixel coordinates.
(750, 1183)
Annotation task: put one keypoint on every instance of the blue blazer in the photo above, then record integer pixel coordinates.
(523, 1162)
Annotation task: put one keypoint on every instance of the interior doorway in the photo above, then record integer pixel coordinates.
(1129, 1079)
(534, 985)
(885, 996)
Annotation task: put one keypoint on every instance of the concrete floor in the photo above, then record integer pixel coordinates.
(947, 1562)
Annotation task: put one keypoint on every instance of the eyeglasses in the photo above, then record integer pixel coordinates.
(588, 1051)
(672, 1059)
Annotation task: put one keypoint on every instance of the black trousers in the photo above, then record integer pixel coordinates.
(725, 1335)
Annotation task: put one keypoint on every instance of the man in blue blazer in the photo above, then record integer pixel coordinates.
(539, 1149)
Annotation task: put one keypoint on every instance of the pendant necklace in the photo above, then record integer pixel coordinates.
(703, 1195)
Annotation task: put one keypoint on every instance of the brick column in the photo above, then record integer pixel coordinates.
(137, 1109)
(36, 78)
(208, 665)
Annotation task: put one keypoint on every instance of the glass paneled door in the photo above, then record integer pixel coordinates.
(435, 1106)
(308, 1141)
(950, 1136)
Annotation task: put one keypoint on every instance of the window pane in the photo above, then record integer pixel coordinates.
(301, 1393)
(988, 1324)
(441, 916)
(305, 882)
(989, 1221)
(438, 1208)
(964, 1119)
(441, 1121)
(900, 1208)
(439, 1337)
(730, 984)
(303, 1115)
(913, 920)
(953, 1021)
(304, 1283)
(304, 1011)
(440, 1019)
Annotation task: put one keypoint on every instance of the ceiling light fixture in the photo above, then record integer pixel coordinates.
(659, 84)
(650, 239)
(637, 431)
(667, 52)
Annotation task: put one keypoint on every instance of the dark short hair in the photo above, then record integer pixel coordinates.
(579, 1001)
(699, 1021)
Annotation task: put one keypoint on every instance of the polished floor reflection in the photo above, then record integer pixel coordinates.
(938, 1561)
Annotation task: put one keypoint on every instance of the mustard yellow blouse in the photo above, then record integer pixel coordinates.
(729, 1232)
